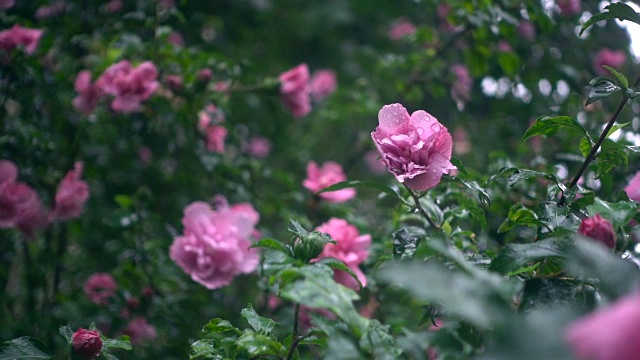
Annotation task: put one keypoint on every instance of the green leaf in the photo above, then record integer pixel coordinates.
(362, 184)
(336, 264)
(585, 146)
(258, 344)
(378, 342)
(509, 62)
(473, 185)
(513, 257)
(260, 324)
(316, 288)
(615, 128)
(621, 78)
(458, 164)
(272, 244)
(525, 174)
(519, 216)
(296, 228)
(121, 342)
(405, 242)
(548, 126)
(619, 213)
(24, 348)
(618, 10)
(611, 155)
(218, 325)
(557, 217)
(601, 88)
(205, 349)
(67, 332)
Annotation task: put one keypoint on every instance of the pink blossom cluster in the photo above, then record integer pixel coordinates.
(209, 120)
(297, 88)
(416, 149)
(569, 7)
(351, 248)
(215, 246)
(610, 334)
(52, 10)
(321, 177)
(100, 288)
(21, 208)
(613, 58)
(20, 36)
(7, 4)
(259, 147)
(114, 6)
(139, 330)
(401, 28)
(128, 86)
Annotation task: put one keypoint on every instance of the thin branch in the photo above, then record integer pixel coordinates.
(424, 214)
(294, 336)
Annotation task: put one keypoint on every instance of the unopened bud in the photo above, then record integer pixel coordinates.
(86, 344)
(310, 246)
(599, 228)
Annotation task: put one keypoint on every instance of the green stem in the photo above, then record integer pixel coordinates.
(416, 200)
(294, 336)
(594, 150)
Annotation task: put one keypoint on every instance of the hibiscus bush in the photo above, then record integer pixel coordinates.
(345, 179)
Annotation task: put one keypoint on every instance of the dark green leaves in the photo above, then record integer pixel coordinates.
(362, 184)
(24, 348)
(601, 88)
(611, 155)
(219, 326)
(405, 243)
(548, 126)
(515, 257)
(619, 213)
(205, 349)
(258, 323)
(618, 10)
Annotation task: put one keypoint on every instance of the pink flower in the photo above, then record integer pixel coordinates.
(443, 11)
(52, 10)
(259, 147)
(569, 7)
(612, 58)
(114, 6)
(86, 344)
(633, 188)
(100, 288)
(351, 248)
(215, 136)
(463, 84)
(71, 196)
(323, 83)
(210, 115)
(222, 86)
(145, 155)
(294, 89)
(504, 46)
(20, 206)
(204, 75)
(8, 171)
(174, 82)
(20, 36)
(610, 334)
(6, 4)
(401, 28)
(527, 30)
(130, 86)
(600, 229)
(375, 164)
(416, 149)
(330, 173)
(176, 39)
(215, 246)
(88, 94)
(139, 330)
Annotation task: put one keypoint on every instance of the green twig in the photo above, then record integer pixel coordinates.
(424, 214)
(294, 336)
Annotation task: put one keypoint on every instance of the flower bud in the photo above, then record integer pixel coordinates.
(86, 344)
(310, 246)
(599, 228)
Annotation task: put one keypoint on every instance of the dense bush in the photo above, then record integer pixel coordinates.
(327, 179)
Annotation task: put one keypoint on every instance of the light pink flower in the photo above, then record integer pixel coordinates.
(20, 207)
(88, 94)
(504, 46)
(210, 115)
(139, 330)
(215, 246)
(569, 7)
(527, 30)
(259, 147)
(20, 36)
(222, 86)
(609, 334)
(294, 89)
(52, 10)
(461, 144)
(8, 171)
(215, 137)
(416, 149)
(71, 196)
(633, 188)
(463, 83)
(204, 75)
(6, 4)
(114, 6)
(401, 28)
(612, 58)
(176, 39)
(100, 288)
(351, 248)
(330, 173)
(600, 229)
(323, 83)
(129, 86)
